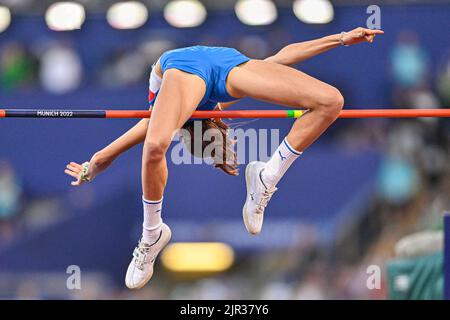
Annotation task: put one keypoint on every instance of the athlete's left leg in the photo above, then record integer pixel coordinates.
(287, 86)
(283, 85)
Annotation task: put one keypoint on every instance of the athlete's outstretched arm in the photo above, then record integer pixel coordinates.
(298, 52)
(102, 159)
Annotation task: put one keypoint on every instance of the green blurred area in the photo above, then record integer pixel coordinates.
(417, 278)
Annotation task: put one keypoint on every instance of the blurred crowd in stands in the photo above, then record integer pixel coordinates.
(57, 67)
(411, 192)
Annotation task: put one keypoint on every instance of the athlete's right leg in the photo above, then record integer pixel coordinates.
(178, 97)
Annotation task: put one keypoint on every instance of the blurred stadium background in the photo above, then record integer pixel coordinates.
(343, 207)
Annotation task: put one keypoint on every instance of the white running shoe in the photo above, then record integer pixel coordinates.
(258, 196)
(140, 269)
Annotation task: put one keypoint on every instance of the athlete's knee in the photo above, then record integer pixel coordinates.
(154, 151)
(330, 103)
(338, 100)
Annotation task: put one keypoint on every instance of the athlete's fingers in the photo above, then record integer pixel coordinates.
(369, 34)
(76, 183)
(363, 32)
(73, 168)
(369, 38)
(373, 31)
(72, 174)
(77, 165)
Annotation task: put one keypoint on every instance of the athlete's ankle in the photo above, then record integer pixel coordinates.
(279, 163)
(268, 178)
(151, 227)
(150, 236)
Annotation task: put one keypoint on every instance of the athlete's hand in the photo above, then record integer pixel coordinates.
(359, 35)
(87, 171)
(76, 170)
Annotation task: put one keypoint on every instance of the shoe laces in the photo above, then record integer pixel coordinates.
(265, 198)
(140, 255)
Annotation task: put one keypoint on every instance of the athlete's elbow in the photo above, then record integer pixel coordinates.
(278, 59)
(272, 59)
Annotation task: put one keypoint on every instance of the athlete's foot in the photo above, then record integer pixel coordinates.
(140, 269)
(258, 196)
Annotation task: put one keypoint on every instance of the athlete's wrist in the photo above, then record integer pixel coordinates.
(85, 176)
(334, 40)
(342, 39)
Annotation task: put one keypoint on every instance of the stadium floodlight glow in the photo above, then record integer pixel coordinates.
(5, 18)
(314, 11)
(127, 15)
(198, 257)
(256, 12)
(185, 13)
(65, 16)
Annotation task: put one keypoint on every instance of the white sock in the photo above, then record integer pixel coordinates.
(278, 164)
(151, 228)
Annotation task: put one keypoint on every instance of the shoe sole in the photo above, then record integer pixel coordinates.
(147, 279)
(244, 209)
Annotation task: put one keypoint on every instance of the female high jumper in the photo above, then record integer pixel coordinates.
(206, 78)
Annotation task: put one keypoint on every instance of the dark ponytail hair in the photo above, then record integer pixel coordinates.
(223, 153)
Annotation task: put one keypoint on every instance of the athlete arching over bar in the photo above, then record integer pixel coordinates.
(205, 78)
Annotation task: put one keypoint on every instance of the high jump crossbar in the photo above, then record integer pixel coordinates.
(139, 114)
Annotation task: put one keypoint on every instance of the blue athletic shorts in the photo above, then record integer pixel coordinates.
(212, 64)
